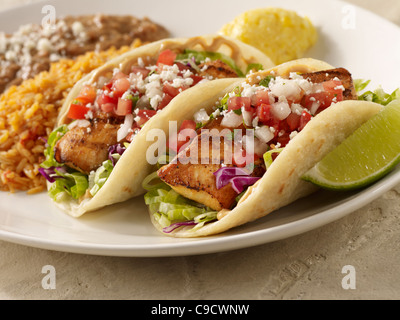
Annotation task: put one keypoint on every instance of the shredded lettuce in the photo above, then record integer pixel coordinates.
(360, 85)
(268, 156)
(56, 135)
(169, 207)
(265, 82)
(71, 184)
(254, 67)
(378, 95)
(98, 178)
(200, 56)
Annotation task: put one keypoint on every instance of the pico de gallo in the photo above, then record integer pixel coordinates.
(106, 116)
(275, 110)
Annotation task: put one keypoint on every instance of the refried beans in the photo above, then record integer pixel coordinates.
(32, 48)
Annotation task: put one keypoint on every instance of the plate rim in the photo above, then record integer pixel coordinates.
(217, 243)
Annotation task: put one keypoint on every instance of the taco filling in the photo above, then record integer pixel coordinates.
(254, 123)
(106, 116)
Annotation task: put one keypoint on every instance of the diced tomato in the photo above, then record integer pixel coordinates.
(77, 110)
(108, 107)
(187, 131)
(264, 113)
(324, 99)
(124, 107)
(241, 158)
(120, 86)
(283, 139)
(171, 90)
(87, 94)
(119, 75)
(165, 101)
(104, 99)
(293, 120)
(304, 119)
(141, 70)
(196, 79)
(166, 57)
(132, 134)
(276, 125)
(260, 97)
(182, 67)
(188, 124)
(236, 103)
(145, 115)
(334, 86)
(107, 87)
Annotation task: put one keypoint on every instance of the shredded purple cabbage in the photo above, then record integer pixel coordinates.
(238, 177)
(239, 183)
(50, 173)
(119, 149)
(224, 175)
(177, 225)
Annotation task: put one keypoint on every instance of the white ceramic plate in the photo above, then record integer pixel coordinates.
(349, 37)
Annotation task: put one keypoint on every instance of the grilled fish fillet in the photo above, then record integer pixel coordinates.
(86, 148)
(217, 70)
(342, 74)
(193, 178)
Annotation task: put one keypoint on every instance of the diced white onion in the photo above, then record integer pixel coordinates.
(296, 108)
(314, 107)
(264, 134)
(281, 109)
(285, 87)
(306, 86)
(255, 145)
(125, 127)
(201, 116)
(232, 120)
(247, 117)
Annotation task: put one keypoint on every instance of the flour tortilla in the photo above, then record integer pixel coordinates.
(126, 179)
(282, 183)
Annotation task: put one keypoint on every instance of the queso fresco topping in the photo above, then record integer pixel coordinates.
(277, 108)
(141, 93)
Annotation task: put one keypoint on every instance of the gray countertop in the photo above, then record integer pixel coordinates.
(307, 266)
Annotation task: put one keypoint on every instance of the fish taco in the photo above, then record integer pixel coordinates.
(277, 124)
(96, 154)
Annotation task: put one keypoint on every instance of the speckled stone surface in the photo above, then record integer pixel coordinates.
(307, 266)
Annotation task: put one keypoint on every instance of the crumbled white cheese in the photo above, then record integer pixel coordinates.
(250, 90)
(341, 87)
(44, 45)
(77, 28)
(179, 82)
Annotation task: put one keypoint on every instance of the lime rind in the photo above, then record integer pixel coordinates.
(316, 178)
(366, 156)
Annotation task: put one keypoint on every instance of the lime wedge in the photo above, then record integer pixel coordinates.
(367, 155)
